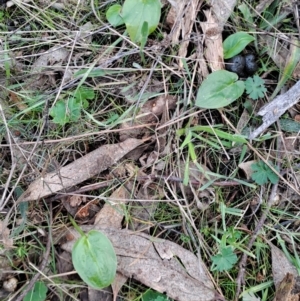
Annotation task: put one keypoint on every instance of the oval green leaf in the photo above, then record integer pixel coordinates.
(113, 15)
(236, 43)
(219, 89)
(94, 259)
(136, 12)
(37, 293)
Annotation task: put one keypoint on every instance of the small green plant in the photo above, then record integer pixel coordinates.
(225, 259)
(262, 173)
(37, 293)
(255, 87)
(151, 295)
(94, 258)
(69, 108)
(140, 17)
(236, 43)
(219, 89)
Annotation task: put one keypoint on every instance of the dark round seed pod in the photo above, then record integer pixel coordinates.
(250, 65)
(237, 65)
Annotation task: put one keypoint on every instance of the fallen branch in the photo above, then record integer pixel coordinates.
(276, 108)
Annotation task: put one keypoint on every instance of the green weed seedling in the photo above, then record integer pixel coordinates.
(262, 173)
(141, 18)
(151, 295)
(37, 293)
(69, 108)
(231, 240)
(94, 258)
(255, 87)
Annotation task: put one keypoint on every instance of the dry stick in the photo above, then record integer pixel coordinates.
(277, 107)
(43, 263)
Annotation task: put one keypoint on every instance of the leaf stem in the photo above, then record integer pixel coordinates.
(77, 228)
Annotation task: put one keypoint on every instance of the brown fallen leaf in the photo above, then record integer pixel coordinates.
(149, 113)
(159, 264)
(280, 265)
(285, 288)
(79, 170)
(5, 239)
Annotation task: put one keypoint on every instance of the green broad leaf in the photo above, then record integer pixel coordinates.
(224, 260)
(37, 293)
(255, 87)
(84, 93)
(247, 15)
(289, 125)
(151, 295)
(144, 32)
(236, 43)
(95, 260)
(219, 89)
(262, 173)
(113, 15)
(58, 112)
(136, 12)
(66, 111)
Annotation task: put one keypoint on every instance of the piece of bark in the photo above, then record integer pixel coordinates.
(80, 170)
(222, 9)
(276, 108)
(213, 42)
(158, 263)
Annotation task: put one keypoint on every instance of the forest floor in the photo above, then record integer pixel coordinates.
(162, 138)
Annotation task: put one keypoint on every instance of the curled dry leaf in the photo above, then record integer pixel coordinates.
(149, 113)
(80, 170)
(42, 76)
(246, 167)
(159, 264)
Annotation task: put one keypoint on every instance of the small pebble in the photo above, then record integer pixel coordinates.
(10, 285)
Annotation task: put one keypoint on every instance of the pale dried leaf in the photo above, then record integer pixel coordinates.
(284, 290)
(149, 113)
(280, 265)
(4, 236)
(246, 167)
(112, 213)
(119, 281)
(80, 170)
